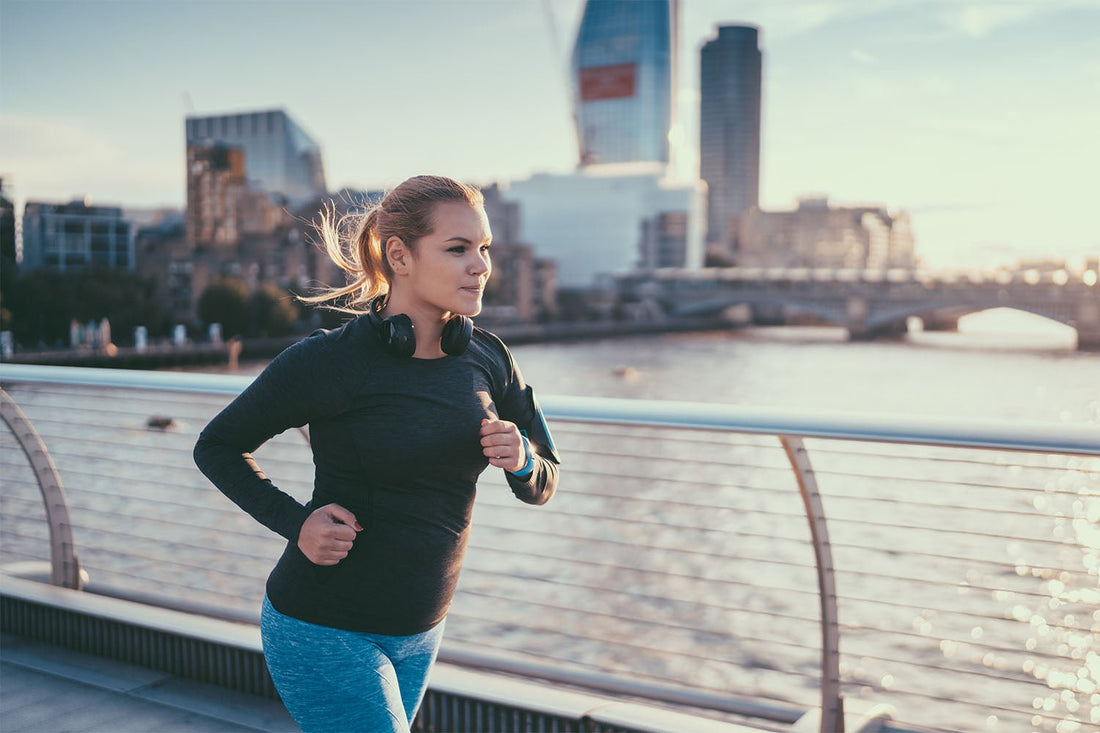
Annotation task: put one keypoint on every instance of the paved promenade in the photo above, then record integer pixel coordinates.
(44, 689)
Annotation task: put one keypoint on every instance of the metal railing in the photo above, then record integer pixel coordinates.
(674, 564)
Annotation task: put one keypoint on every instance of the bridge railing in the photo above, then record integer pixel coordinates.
(954, 575)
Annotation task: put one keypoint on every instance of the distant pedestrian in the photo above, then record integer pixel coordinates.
(407, 404)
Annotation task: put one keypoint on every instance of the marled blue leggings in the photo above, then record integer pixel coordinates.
(333, 680)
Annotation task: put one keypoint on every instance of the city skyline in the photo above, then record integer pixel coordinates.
(978, 119)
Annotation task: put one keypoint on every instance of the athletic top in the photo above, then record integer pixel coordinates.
(396, 441)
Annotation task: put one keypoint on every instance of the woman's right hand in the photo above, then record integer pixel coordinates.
(327, 534)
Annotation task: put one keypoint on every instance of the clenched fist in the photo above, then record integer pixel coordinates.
(327, 534)
(502, 445)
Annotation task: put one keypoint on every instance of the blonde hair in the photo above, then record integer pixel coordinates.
(355, 241)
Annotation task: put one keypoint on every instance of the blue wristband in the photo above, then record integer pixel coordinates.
(528, 467)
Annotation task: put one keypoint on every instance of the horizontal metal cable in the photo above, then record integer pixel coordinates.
(159, 541)
(638, 621)
(979, 645)
(722, 439)
(159, 520)
(741, 534)
(821, 472)
(45, 556)
(729, 487)
(707, 530)
(634, 568)
(229, 510)
(554, 631)
(186, 464)
(882, 576)
(983, 706)
(910, 663)
(36, 500)
(833, 496)
(941, 482)
(646, 597)
(817, 450)
(162, 397)
(755, 584)
(236, 596)
(636, 674)
(712, 484)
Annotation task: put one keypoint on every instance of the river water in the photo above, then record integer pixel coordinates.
(682, 559)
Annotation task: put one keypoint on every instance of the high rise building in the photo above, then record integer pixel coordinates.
(729, 129)
(76, 236)
(279, 157)
(623, 78)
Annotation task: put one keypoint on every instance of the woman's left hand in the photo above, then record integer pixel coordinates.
(502, 445)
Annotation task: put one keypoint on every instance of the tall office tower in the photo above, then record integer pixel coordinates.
(279, 157)
(623, 77)
(729, 129)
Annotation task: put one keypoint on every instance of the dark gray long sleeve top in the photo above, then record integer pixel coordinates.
(396, 441)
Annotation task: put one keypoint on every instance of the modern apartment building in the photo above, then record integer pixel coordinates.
(730, 84)
(76, 236)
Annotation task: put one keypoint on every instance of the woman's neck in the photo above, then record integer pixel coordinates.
(427, 323)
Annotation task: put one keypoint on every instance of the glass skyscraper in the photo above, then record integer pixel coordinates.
(729, 127)
(279, 157)
(623, 72)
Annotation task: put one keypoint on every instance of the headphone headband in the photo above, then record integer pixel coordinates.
(399, 336)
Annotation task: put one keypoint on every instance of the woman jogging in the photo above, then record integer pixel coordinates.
(407, 404)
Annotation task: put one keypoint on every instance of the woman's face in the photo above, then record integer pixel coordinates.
(448, 268)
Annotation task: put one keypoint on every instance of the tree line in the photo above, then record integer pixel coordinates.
(38, 307)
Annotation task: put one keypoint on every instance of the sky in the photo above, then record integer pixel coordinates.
(980, 118)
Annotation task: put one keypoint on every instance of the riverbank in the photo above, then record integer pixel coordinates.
(204, 354)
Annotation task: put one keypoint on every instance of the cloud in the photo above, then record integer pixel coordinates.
(862, 57)
(979, 20)
(55, 159)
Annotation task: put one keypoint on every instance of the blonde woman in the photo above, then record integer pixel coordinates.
(407, 404)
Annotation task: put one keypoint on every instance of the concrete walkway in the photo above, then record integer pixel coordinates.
(44, 689)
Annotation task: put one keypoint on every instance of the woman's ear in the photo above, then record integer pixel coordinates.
(397, 254)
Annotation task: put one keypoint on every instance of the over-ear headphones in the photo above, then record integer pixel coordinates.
(397, 333)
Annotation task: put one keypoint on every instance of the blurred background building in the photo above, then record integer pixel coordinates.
(279, 156)
(819, 235)
(730, 98)
(624, 77)
(76, 236)
(619, 210)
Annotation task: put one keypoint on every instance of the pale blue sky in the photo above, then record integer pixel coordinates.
(978, 117)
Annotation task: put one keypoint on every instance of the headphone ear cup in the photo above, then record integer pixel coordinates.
(398, 334)
(456, 335)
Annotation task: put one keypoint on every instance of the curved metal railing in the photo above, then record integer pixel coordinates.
(671, 564)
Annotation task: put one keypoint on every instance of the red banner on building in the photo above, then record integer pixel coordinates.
(608, 82)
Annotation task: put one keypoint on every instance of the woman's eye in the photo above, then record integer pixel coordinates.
(485, 248)
(458, 249)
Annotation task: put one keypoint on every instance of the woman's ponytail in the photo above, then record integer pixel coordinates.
(353, 244)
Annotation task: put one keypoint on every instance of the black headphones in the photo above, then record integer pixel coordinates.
(397, 333)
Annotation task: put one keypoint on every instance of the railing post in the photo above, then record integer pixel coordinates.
(832, 702)
(64, 566)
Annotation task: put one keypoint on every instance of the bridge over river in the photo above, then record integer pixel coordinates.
(870, 304)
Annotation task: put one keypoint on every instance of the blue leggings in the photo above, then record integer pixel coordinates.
(334, 680)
